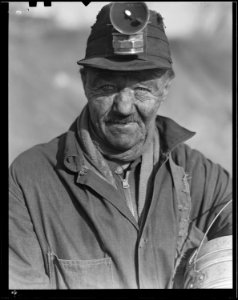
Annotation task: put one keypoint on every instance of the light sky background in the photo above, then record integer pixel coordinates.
(180, 18)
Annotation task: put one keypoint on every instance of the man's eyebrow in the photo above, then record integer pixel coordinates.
(97, 80)
(101, 76)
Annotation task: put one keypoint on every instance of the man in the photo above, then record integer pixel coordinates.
(118, 201)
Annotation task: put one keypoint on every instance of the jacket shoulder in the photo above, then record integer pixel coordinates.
(190, 159)
(39, 157)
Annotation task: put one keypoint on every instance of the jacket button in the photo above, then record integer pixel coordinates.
(83, 171)
(142, 243)
(201, 277)
(119, 170)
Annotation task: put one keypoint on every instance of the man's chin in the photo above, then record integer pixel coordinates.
(123, 140)
(121, 145)
(120, 149)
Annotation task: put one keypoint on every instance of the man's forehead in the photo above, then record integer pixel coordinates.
(141, 75)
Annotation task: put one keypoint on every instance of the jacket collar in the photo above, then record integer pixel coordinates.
(171, 135)
(73, 156)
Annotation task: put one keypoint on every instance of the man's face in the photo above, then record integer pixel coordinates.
(122, 105)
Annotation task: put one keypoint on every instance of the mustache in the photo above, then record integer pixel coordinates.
(122, 120)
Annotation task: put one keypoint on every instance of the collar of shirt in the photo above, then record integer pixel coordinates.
(119, 168)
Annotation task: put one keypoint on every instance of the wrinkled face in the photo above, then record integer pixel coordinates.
(122, 105)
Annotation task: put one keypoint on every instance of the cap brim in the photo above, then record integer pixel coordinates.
(122, 64)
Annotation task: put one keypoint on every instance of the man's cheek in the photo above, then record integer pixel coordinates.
(148, 112)
(96, 107)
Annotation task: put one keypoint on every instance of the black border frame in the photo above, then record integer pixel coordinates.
(5, 293)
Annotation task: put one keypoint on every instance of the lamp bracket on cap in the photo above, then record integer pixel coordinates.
(129, 20)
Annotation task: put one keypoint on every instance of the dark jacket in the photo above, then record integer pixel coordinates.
(71, 229)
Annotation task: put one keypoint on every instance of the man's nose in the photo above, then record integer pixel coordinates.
(123, 102)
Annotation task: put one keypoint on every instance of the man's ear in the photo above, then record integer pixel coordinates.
(167, 84)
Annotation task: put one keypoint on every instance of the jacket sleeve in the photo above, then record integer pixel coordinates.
(26, 263)
(211, 189)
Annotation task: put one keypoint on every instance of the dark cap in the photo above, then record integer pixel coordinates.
(100, 52)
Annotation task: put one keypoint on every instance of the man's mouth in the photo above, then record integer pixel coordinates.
(126, 121)
(122, 127)
(120, 123)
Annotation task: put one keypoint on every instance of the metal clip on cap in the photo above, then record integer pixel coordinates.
(129, 19)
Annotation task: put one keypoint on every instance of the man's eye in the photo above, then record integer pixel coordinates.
(107, 88)
(143, 89)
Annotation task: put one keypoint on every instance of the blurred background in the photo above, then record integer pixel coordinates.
(45, 90)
